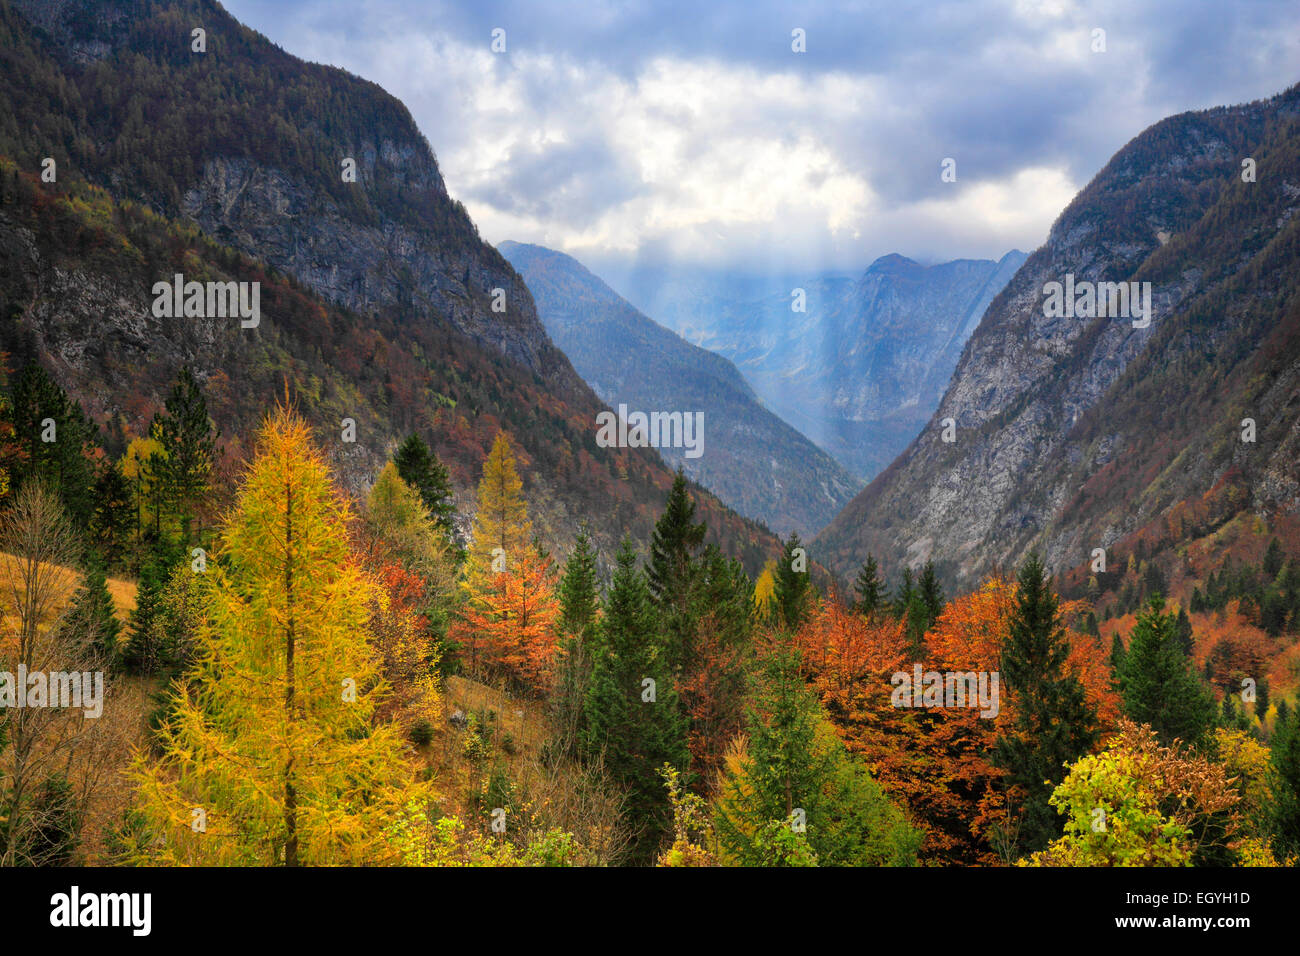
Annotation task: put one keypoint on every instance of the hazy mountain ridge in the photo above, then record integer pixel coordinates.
(861, 368)
(751, 459)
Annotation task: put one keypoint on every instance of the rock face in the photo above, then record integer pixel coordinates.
(264, 170)
(1071, 433)
(861, 368)
(750, 458)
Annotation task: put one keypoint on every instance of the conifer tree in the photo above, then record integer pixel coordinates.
(1284, 784)
(91, 617)
(906, 589)
(421, 469)
(1053, 724)
(672, 567)
(501, 521)
(931, 594)
(1158, 683)
(871, 590)
(633, 714)
(792, 592)
(58, 441)
(271, 742)
(189, 444)
(579, 595)
(794, 777)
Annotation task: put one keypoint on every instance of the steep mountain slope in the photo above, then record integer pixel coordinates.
(377, 296)
(861, 369)
(750, 458)
(1073, 433)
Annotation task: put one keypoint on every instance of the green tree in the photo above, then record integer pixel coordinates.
(189, 444)
(671, 568)
(1284, 783)
(1053, 724)
(421, 469)
(792, 594)
(91, 616)
(794, 776)
(58, 442)
(1158, 683)
(633, 714)
(579, 618)
(871, 590)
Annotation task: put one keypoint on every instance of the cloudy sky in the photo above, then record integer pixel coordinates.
(658, 130)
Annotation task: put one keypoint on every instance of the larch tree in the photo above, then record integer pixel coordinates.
(270, 754)
(510, 609)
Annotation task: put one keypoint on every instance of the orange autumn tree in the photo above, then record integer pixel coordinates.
(936, 760)
(508, 623)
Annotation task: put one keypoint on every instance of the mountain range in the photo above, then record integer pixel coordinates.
(855, 363)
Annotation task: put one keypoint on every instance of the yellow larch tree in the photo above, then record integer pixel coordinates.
(271, 753)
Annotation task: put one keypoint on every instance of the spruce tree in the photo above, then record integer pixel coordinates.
(931, 594)
(1158, 683)
(91, 617)
(795, 777)
(189, 444)
(676, 539)
(421, 469)
(792, 594)
(1053, 724)
(906, 588)
(1284, 783)
(871, 590)
(632, 712)
(579, 595)
(59, 442)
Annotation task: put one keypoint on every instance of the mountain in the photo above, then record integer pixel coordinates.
(750, 458)
(861, 368)
(1073, 434)
(380, 302)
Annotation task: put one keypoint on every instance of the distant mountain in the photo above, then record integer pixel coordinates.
(861, 368)
(1078, 433)
(378, 294)
(750, 458)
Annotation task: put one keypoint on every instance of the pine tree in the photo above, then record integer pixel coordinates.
(272, 736)
(1158, 684)
(579, 595)
(794, 777)
(903, 600)
(91, 617)
(189, 444)
(792, 594)
(421, 469)
(114, 515)
(1053, 723)
(1284, 784)
(1183, 632)
(58, 442)
(579, 589)
(871, 590)
(672, 567)
(633, 714)
(1273, 559)
(931, 594)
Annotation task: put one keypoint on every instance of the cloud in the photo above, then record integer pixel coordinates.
(692, 131)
